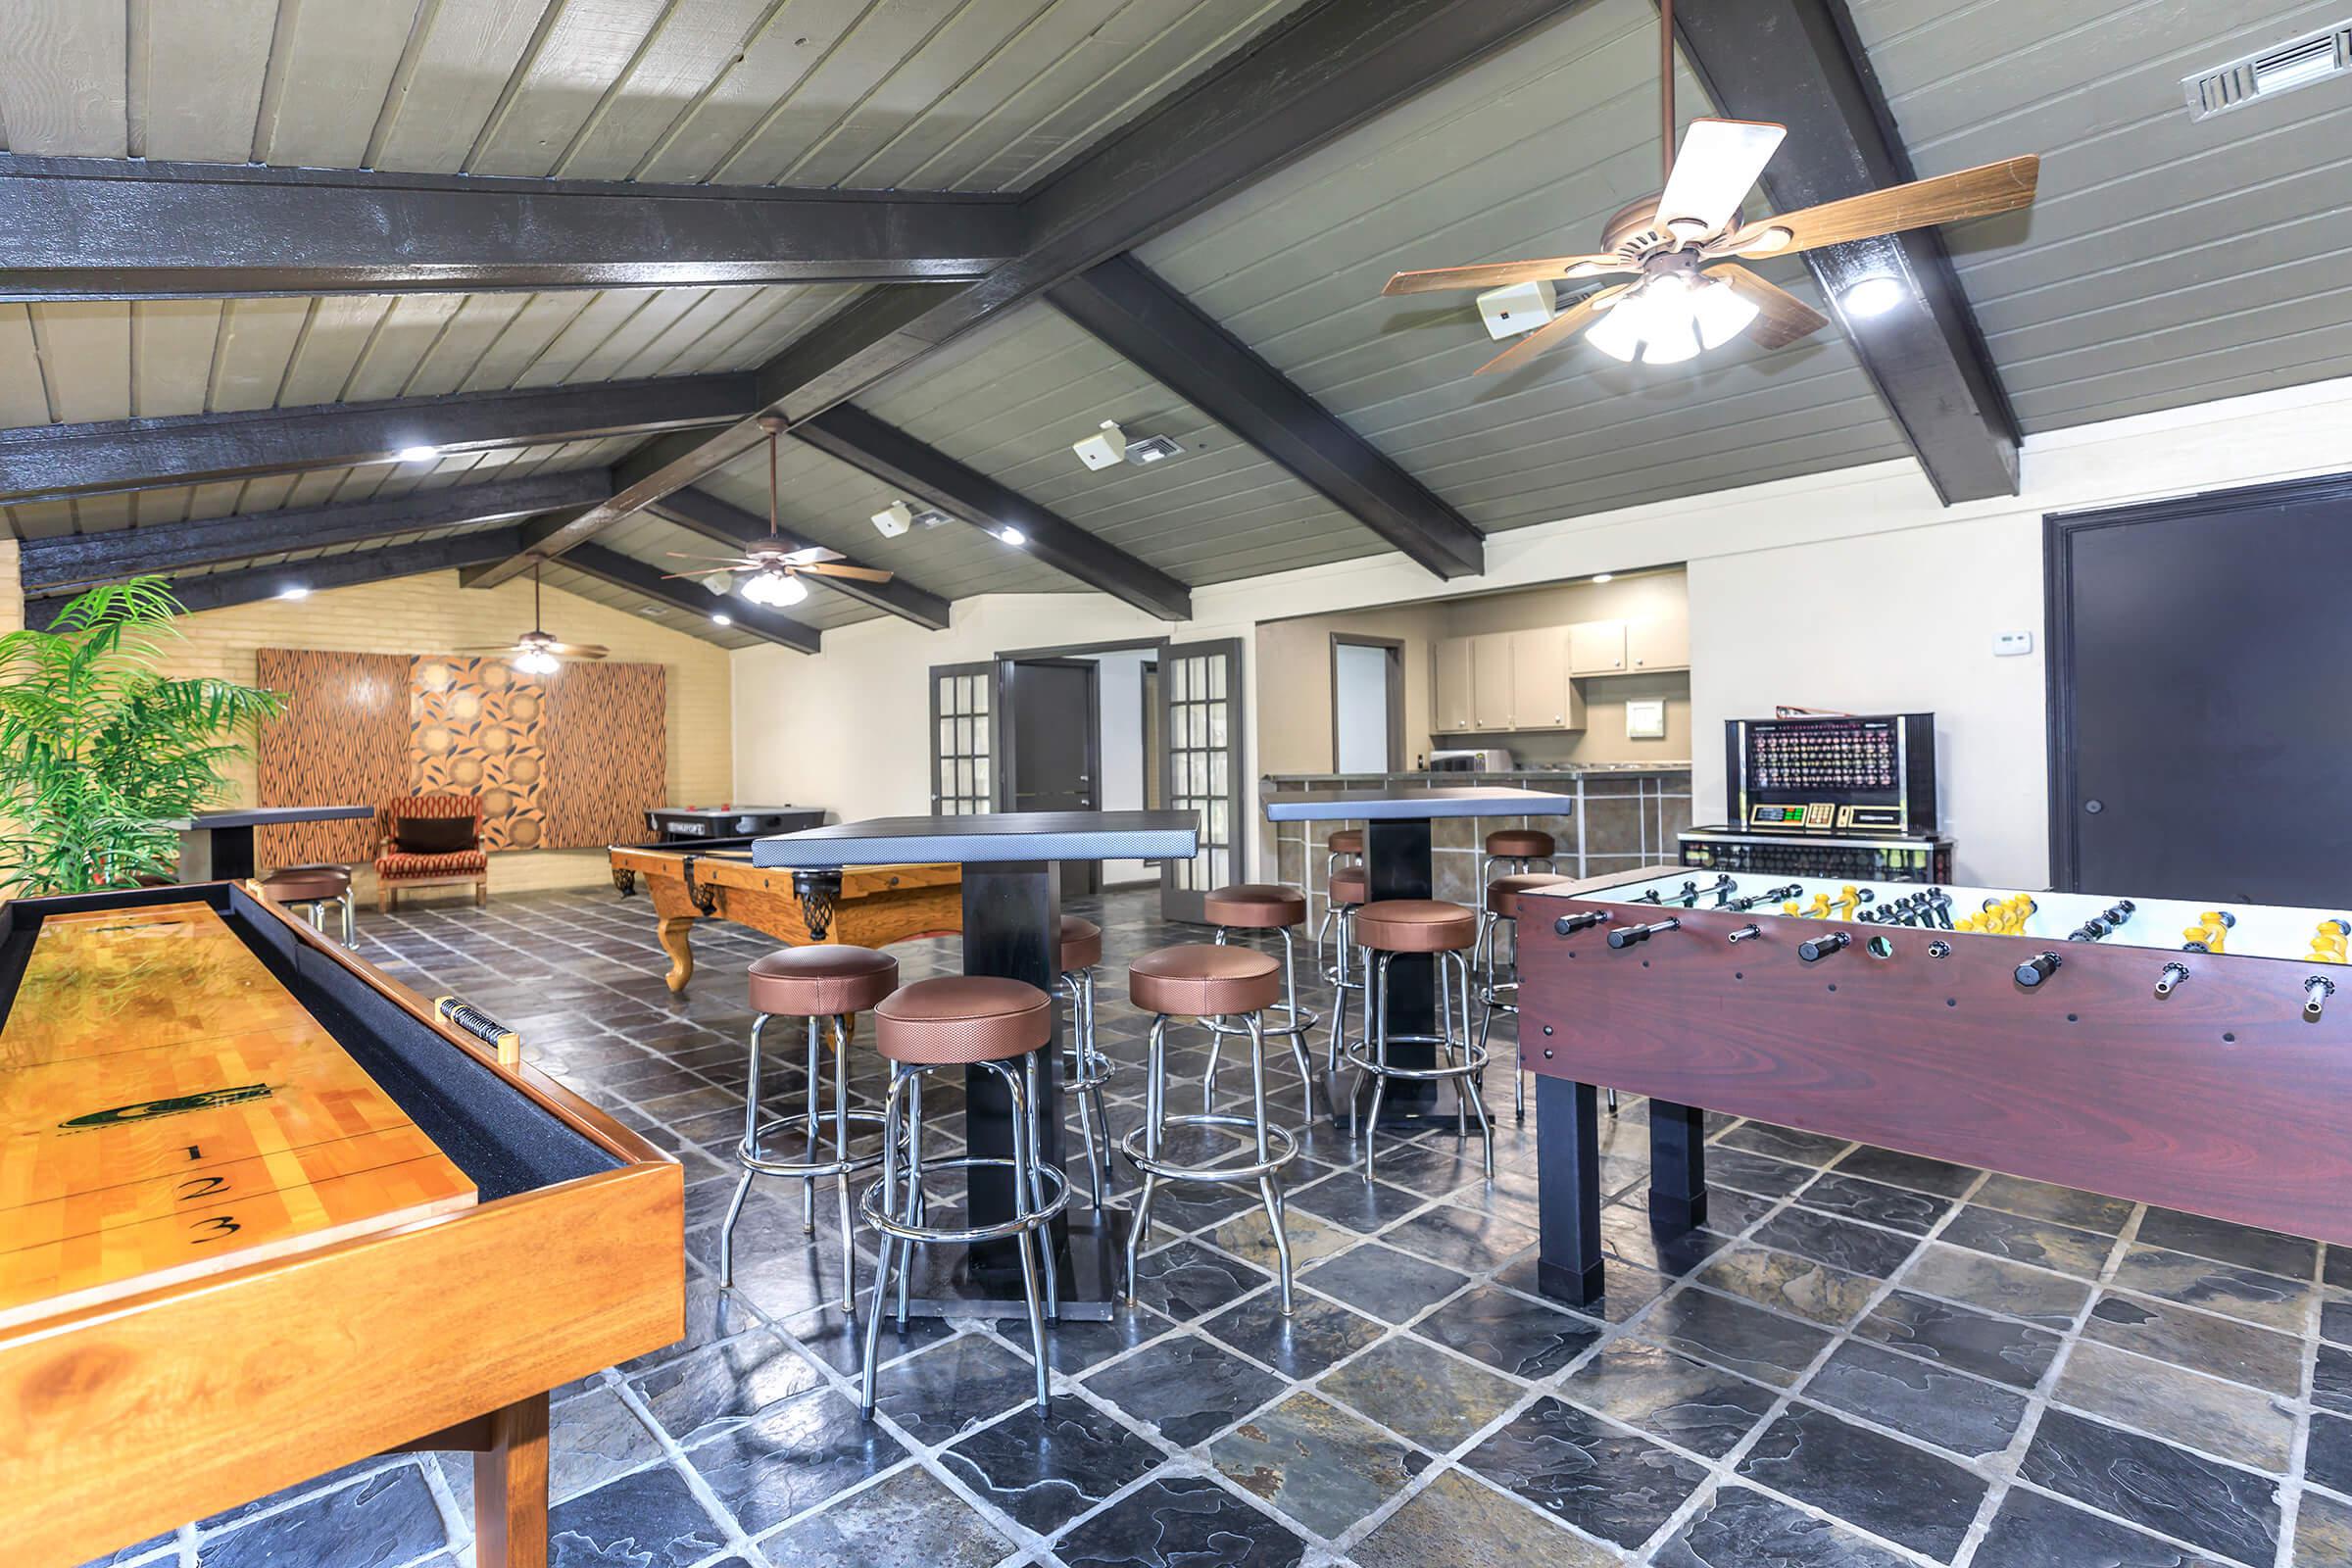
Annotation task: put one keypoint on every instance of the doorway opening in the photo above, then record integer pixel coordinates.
(1087, 734)
(1368, 704)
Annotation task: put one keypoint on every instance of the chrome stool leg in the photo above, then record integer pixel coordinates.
(1371, 1056)
(1090, 1070)
(815, 1166)
(1273, 1148)
(1297, 1023)
(1040, 1194)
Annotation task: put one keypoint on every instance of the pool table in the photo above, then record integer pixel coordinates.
(716, 880)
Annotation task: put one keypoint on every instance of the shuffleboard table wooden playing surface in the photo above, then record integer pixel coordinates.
(265, 1211)
(716, 880)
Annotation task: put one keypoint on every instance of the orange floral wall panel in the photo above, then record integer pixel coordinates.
(607, 733)
(343, 740)
(477, 728)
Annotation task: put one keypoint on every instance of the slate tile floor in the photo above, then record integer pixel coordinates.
(1870, 1360)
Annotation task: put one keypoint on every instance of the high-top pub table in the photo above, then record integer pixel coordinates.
(1012, 927)
(218, 846)
(1397, 866)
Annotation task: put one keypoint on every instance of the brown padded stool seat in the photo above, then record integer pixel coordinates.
(971, 1017)
(1502, 893)
(1415, 925)
(1519, 843)
(1257, 905)
(1346, 841)
(1081, 944)
(1349, 887)
(819, 982)
(1198, 981)
(301, 884)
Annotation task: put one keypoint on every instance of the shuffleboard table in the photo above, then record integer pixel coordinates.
(265, 1211)
(716, 880)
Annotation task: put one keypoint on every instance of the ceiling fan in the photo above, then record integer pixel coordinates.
(774, 565)
(1685, 244)
(535, 653)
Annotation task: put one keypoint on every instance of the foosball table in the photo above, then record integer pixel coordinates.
(265, 1211)
(2187, 1054)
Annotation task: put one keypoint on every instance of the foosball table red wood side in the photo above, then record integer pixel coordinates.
(2220, 1098)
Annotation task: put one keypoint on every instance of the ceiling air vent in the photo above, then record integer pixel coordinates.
(2313, 57)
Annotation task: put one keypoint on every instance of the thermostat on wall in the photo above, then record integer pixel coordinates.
(1645, 720)
(2010, 644)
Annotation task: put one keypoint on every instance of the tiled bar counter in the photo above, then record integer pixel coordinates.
(1627, 816)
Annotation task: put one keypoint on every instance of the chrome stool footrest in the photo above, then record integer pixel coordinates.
(1285, 1150)
(873, 1209)
(748, 1155)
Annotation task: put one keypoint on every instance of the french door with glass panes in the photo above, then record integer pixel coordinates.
(964, 738)
(1200, 713)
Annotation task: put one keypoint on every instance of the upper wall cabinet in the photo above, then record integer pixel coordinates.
(1596, 648)
(1454, 715)
(1490, 704)
(1662, 642)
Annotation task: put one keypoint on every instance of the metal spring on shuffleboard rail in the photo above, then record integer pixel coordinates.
(479, 1024)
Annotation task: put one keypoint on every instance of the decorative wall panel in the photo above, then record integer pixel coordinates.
(607, 736)
(342, 739)
(477, 728)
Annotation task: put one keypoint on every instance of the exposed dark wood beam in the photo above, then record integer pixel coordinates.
(71, 561)
(898, 460)
(705, 513)
(627, 571)
(50, 461)
(124, 230)
(1169, 338)
(1326, 69)
(220, 589)
(1799, 62)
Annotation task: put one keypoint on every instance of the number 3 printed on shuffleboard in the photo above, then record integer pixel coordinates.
(212, 1229)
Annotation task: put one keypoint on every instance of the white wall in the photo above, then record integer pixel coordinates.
(1854, 589)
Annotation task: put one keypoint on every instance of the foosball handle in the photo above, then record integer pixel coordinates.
(479, 1024)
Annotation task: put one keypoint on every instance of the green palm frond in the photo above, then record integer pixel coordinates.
(99, 749)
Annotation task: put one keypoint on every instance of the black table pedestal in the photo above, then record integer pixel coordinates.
(1397, 866)
(1568, 1262)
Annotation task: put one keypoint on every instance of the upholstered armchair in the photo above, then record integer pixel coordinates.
(429, 841)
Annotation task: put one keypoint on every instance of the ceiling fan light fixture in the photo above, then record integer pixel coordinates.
(537, 662)
(775, 589)
(1618, 334)
(1873, 296)
(1720, 313)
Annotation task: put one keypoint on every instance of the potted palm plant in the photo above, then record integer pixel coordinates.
(100, 750)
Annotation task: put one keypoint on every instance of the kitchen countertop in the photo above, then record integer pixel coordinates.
(1558, 770)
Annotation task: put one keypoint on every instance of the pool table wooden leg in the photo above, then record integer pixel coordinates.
(675, 933)
(510, 1488)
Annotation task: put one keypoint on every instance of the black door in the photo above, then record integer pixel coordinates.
(2198, 726)
(1056, 747)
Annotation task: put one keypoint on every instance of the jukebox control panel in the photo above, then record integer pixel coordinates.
(1839, 773)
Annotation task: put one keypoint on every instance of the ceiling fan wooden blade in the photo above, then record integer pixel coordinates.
(577, 650)
(1495, 274)
(1781, 317)
(1977, 192)
(862, 573)
(686, 555)
(1719, 163)
(811, 556)
(1552, 333)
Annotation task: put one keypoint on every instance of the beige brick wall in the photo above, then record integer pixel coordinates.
(432, 615)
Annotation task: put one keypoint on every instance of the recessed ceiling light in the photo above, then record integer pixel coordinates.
(1873, 296)
(1012, 536)
(295, 590)
(418, 454)
(722, 620)
(1604, 576)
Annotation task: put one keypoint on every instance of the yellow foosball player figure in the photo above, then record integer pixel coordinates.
(2327, 942)
(2211, 933)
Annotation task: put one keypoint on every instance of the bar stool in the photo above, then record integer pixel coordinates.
(1089, 1069)
(314, 887)
(1204, 982)
(962, 1021)
(1521, 847)
(1261, 907)
(1349, 890)
(1446, 932)
(1495, 993)
(812, 983)
(1346, 842)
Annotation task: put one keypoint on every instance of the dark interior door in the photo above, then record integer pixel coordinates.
(1056, 747)
(2199, 725)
